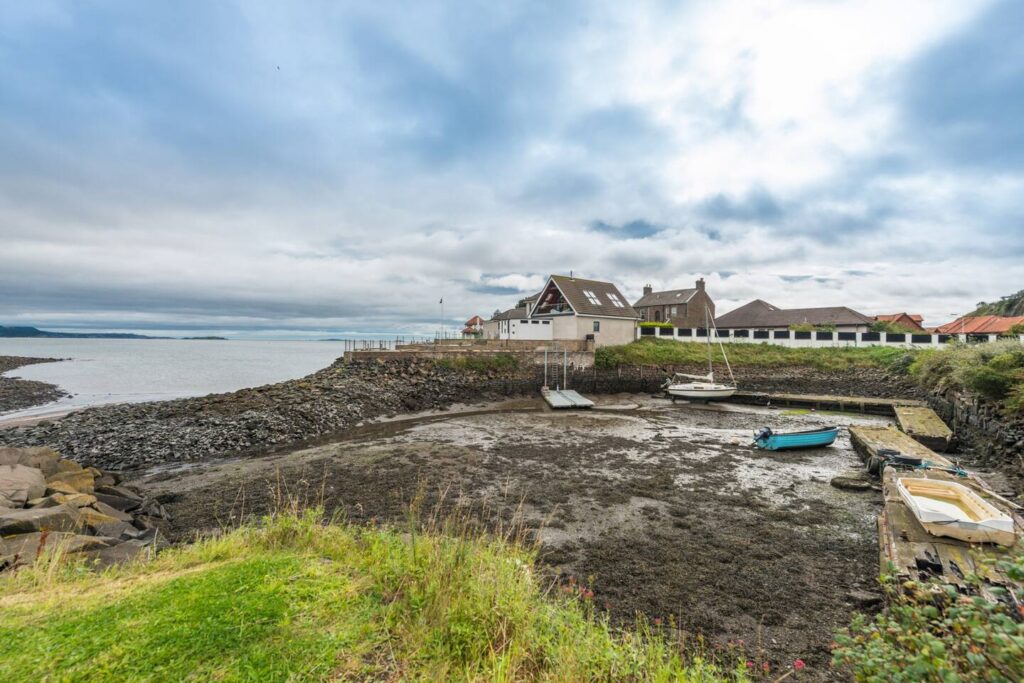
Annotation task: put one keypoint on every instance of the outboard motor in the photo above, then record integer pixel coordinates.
(762, 433)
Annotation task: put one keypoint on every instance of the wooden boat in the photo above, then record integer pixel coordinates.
(813, 438)
(702, 387)
(946, 508)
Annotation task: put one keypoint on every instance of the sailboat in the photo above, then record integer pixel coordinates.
(703, 387)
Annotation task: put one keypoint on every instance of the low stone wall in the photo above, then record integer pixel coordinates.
(981, 429)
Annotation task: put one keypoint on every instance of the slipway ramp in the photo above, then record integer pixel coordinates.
(565, 398)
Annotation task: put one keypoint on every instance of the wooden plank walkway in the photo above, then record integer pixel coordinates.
(859, 404)
(924, 425)
(867, 440)
(904, 545)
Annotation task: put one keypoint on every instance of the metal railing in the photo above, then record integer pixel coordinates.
(382, 344)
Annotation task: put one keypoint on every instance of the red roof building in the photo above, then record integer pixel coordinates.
(909, 320)
(981, 324)
(474, 327)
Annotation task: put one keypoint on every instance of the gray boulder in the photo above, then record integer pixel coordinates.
(59, 518)
(20, 484)
(116, 554)
(23, 549)
(115, 501)
(40, 457)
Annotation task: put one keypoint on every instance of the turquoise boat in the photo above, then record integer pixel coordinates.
(813, 438)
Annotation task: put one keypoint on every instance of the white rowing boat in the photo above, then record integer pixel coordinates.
(946, 508)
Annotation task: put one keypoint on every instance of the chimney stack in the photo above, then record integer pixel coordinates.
(648, 289)
(700, 284)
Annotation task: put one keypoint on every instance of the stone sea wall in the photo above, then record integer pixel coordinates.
(992, 438)
(257, 420)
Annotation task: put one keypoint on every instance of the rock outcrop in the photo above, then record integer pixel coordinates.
(49, 504)
(16, 394)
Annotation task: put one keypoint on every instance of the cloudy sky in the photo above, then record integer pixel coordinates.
(281, 169)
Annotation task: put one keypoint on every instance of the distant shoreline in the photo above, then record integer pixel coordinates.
(7, 332)
(18, 394)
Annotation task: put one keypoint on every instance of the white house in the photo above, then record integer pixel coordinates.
(569, 308)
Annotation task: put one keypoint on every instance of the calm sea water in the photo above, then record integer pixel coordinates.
(130, 370)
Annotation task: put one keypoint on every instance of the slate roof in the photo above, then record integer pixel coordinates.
(981, 324)
(574, 290)
(666, 298)
(759, 313)
(510, 314)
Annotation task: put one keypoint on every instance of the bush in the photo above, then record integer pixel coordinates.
(987, 381)
(933, 633)
(654, 324)
(1017, 329)
(994, 371)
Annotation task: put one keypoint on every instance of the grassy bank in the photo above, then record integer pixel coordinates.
(994, 371)
(293, 599)
(668, 352)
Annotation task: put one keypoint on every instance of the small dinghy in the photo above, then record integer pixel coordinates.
(768, 440)
(946, 508)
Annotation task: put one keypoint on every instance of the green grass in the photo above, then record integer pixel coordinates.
(670, 352)
(294, 599)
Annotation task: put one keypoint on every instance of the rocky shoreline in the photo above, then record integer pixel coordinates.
(50, 503)
(18, 394)
(263, 419)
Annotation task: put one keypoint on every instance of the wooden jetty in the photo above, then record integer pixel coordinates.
(858, 404)
(565, 398)
(924, 425)
(904, 546)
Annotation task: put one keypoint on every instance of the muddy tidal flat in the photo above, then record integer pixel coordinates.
(661, 508)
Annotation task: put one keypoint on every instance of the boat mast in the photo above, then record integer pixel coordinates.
(725, 356)
(707, 330)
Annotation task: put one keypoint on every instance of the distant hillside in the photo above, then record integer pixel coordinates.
(1012, 305)
(35, 332)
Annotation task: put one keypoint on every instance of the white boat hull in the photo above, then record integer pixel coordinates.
(701, 391)
(946, 508)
